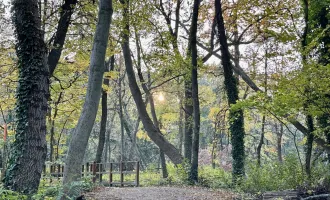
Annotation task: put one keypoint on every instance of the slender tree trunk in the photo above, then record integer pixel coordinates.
(214, 146)
(107, 139)
(279, 143)
(161, 153)
(66, 12)
(263, 116)
(154, 133)
(309, 145)
(121, 118)
(29, 148)
(188, 105)
(309, 117)
(261, 142)
(52, 140)
(104, 115)
(236, 118)
(194, 81)
(188, 120)
(181, 135)
(81, 133)
(4, 151)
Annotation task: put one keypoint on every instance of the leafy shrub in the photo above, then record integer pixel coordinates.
(214, 178)
(273, 176)
(11, 195)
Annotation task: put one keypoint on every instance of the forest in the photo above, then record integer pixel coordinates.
(222, 99)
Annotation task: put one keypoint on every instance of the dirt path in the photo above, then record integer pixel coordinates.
(158, 193)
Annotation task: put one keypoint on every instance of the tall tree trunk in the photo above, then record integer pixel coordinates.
(66, 12)
(261, 142)
(156, 123)
(188, 106)
(214, 145)
(236, 118)
(52, 140)
(154, 133)
(309, 145)
(29, 148)
(107, 140)
(279, 143)
(181, 135)
(195, 98)
(104, 115)
(4, 150)
(188, 120)
(81, 133)
(264, 115)
(121, 116)
(309, 117)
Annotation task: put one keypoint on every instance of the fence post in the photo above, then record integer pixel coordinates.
(51, 173)
(121, 174)
(82, 170)
(58, 171)
(110, 175)
(137, 177)
(94, 171)
(100, 171)
(87, 168)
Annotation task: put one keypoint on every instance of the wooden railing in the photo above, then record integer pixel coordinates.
(99, 170)
(122, 171)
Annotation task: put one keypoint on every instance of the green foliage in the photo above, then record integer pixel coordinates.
(11, 195)
(273, 176)
(74, 189)
(214, 178)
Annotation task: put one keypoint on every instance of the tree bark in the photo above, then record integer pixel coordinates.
(188, 107)
(261, 142)
(195, 98)
(236, 118)
(309, 145)
(181, 136)
(66, 12)
(104, 115)
(188, 120)
(279, 143)
(154, 133)
(264, 115)
(29, 148)
(83, 129)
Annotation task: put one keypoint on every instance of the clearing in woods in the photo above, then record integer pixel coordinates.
(159, 193)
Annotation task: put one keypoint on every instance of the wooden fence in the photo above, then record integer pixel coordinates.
(98, 170)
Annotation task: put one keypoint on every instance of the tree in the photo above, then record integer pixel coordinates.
(29, 149)
(236, 118)
(194, 83)
(66, 12)
(154, 133)
(83, 129)
(104, 115)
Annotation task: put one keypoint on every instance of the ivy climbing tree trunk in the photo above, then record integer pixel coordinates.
(154, 133)
(83, 129)
(195, 98)
(28, 152)
(236, 118)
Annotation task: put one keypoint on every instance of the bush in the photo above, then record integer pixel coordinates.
(214, 178)
(273, 176)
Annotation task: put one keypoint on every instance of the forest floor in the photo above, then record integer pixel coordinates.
(158, 193)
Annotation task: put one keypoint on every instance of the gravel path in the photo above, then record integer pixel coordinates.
(158, 193)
